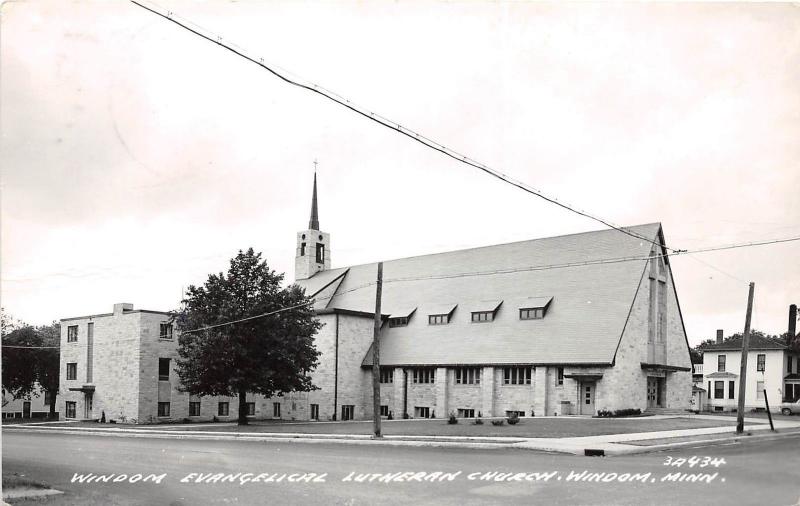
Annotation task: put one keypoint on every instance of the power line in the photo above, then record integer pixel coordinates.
(395, 126)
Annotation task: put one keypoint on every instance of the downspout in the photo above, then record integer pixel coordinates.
(405, 393)
(336, 370)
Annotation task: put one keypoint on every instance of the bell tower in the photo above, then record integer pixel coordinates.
(313, 246)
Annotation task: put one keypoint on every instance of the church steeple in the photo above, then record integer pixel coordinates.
(313, 246)
(313, 223)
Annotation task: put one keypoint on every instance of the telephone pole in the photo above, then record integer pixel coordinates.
(743, 369)
(376, 354)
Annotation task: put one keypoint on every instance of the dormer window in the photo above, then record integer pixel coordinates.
(400, 321)
(438, 319)
(534, 308)
(482, 316)
(535, 313)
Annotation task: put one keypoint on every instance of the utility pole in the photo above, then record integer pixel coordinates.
(376, 357)
(743, 369)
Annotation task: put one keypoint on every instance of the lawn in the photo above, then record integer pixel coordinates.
(527, 427)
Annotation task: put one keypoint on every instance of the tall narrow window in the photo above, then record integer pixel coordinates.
(320, 253)
(720, 363)
(251, 408)
(731, 389)
(315, 411)
(759, 389)
(761, 362)
(302, 249)
(560, 376)
(719, 389)
(72, 334)
(276, 410)
(70, 405)
(163, 369)
(72, 371)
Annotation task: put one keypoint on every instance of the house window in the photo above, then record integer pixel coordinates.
(761, 360)
(422, 412)
(251, 408)
(399, 321)
(466, 413)
(163, 369)
(320, 253)
(72, 334)
(517, 376)
(315, 411)
(532, 313)
(70, 408)
(719, 389)
(48, 397)
(194, 408)
(163, 409)
(482, 316)
(387, 375)
(276, 410)
(560, 376)
(468, 376)
(438, 319)
(222, 409)
(384, 410)
(721, 363)
(165, 331)
(731, 389)
(423, 375)
(72, 370)
(759, 390)
(347, 412)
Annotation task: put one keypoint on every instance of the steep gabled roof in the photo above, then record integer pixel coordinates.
(583, 322)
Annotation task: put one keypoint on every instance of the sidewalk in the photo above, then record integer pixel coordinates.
(606, 444)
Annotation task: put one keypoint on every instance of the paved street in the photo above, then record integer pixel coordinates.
(763, 473)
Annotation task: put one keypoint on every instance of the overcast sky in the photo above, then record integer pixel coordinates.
(137, 157)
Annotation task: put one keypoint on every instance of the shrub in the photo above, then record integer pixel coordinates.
(513, 419)
(433, 414)
(607, 413)
(390, 417)
(405, 416)
(452, 420)
(103, 417)
(215, 419)
(479, 420)
(498, 422)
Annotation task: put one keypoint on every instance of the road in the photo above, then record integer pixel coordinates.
(763, 473)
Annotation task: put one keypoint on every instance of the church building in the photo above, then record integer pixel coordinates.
(552, 326)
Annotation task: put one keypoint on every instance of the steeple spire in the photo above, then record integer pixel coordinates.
(313, 223)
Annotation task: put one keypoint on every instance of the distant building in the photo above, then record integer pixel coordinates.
(35, 405)
(773, 371)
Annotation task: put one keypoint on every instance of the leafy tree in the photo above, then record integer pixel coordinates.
(269, 355)
(20, 364)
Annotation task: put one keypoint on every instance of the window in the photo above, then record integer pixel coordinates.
(347, 412)
(276, 410)
(222, 409)
(72, 370)
(721, 363)
(320, 253)
(315, 411)
(387, 375)
(517, 376)
(512, 413)
(438, 319)
(251, 408)
(194, 408)
(560, 376)
(731, 390)
(482, 316)
(466, 413)
(759, 390)
(163, 409)
(163, 369)
(302, 249)
(47, 397)
(709, 390)
(165, 331)
(399, 321)
(468, 376)
(72, 334)
(719, 389)
(533, 313)
(422, 412)
(423, 375)
(761, 360)
(384, 410)
(70, 408)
